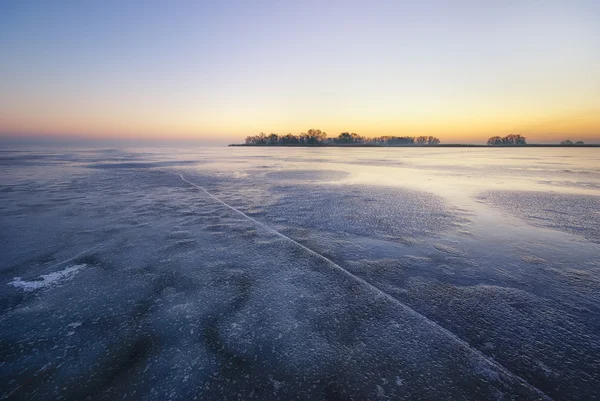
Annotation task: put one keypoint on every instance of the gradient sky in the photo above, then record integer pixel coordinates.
(460, 70)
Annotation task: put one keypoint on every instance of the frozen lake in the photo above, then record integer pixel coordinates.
(295, 273)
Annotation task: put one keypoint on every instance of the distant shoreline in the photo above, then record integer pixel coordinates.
(449, 145)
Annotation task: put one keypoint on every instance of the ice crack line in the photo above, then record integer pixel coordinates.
(380, 292)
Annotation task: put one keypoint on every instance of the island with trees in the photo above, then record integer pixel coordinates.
(316, 137)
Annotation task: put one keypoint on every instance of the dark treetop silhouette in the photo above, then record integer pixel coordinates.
(569, 142)
(508, 140)
(316, 137)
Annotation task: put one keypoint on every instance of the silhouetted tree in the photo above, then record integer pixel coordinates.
(357, 138)
(510, 140)
(495, 140)
(315, 136)
(427, 140)
(346, 137)
(400, 140)
(514, 139)
(289, 139)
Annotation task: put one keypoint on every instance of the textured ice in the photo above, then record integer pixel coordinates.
(307, 175)
(574, 213)
(299, 274)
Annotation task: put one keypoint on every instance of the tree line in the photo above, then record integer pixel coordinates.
(510, 139)
(315, 137)
(318, 137)
(516, 139)
(570, 142)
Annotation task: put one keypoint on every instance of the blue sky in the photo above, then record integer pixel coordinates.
(230, 68)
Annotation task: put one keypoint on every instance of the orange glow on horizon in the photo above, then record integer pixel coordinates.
(582, 126)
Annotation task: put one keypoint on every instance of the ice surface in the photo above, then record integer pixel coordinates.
(575, 213)
(300, 274)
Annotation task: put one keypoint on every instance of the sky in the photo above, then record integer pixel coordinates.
(220, 70)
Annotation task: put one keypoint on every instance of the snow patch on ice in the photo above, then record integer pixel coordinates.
(47, 280)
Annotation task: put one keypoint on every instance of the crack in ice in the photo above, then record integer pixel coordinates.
(380, 292)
